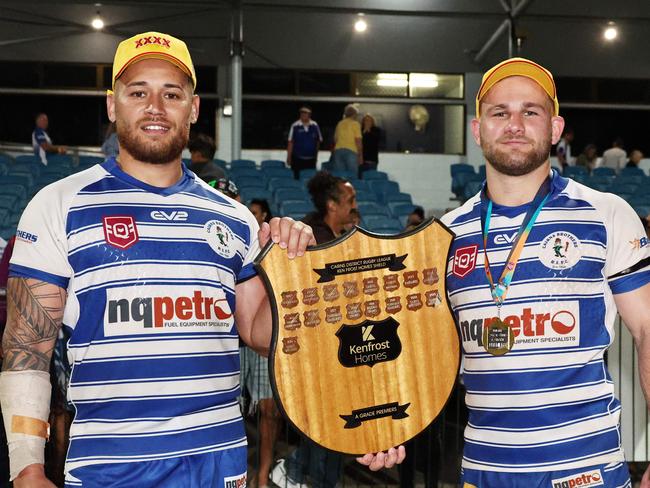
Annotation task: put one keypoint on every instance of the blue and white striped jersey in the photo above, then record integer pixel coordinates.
(150, 274)
(549, 403)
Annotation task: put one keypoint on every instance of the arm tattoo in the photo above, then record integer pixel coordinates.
(35, 313)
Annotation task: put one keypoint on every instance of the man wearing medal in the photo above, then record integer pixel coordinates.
(535, 323)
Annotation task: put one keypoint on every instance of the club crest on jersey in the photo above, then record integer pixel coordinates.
(464, 260)
(220, 238)
(120, 231)
(560, 250)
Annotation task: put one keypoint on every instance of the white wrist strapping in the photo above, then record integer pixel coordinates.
(25, 399)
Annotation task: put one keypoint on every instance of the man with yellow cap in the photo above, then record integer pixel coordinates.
(539, 267)
(151, 271)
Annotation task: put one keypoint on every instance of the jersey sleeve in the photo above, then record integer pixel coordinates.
(252, 249)
(41, 248)
(628, 254)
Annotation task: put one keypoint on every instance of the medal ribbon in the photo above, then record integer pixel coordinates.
(500, 289)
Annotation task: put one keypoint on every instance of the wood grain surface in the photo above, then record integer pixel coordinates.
(313, 388)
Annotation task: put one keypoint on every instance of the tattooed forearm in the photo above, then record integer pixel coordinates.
(34, 316)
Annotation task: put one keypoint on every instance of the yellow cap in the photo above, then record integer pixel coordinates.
(518, 67)
(153, 45)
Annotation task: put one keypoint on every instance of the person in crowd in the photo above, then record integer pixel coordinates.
(305, 139)
(536, 310)
(355, 220)
(588, 157)
(260, 208)
(162, 410)
(635, 158)
(110, 147)
(348, 147)
(563, 148)
(335, 202)
(202, 150)
(370, 135)
(41, 141)
(415, 218)
(615, 157)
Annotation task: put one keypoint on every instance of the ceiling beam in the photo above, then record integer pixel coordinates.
(504, 27)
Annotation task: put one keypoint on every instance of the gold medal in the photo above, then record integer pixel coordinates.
(498, 338)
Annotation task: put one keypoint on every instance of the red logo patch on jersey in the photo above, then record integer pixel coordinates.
(120, 231)
(464, 260)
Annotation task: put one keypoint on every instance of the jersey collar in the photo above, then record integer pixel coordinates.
(185, 181)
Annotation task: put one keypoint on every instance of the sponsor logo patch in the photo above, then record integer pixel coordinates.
(120, 231)
(238, 481)
(505, 238)
(560, 250)
(23, 236)
(535, 326)
(159, 309)
(639, 243)
(464, 260)
(220, 238)
(169, 215)
(583, 480)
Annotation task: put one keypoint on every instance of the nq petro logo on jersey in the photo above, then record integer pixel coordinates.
(534, 325)
(154, 309)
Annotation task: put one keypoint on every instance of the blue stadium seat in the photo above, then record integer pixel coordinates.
(242, 163)
(382, 225)
(220, 162)
(641, 210)
(622, 188)
(7, 232)
(283, 194)
(398, 197)
(8, 202)
(275, 172)
(461, 173)
(481, 171)
(23, 180)
(361, 185)
(275, 183)
(598, 182)
(346, 175)
(472, 188)
(4, 216)
(4, 168)
(632, 171)
(382, 188)
(373, 174)
(306, 174)
(366, 196)
(237, 173)
(273, 163)
(603, 171)
(295, 207)
(249, 182)
(88, 161)
(573, 171)
(12, 189)
(369, 209)
(641, 199)
(401, 209)
(28, 159)
(457, 168)
(248, 193)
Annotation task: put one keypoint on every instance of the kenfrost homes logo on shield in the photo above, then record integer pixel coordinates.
(585, 479)
(534, 325)
(159, 309)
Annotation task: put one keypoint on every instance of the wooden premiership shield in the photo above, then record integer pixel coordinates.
(365, 350)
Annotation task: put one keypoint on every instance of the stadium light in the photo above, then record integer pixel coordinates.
(360, 25)
(611, 32)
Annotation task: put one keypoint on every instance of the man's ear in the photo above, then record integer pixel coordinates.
(194, 115)
(476, 130)
(557, 127)
(110, 105)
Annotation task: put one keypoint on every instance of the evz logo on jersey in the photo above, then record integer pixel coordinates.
(120, 231)
(171, 216)
(534, 326)
(464, 260)
(505, 238)
(585, 480)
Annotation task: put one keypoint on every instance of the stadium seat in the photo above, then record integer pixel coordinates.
(22, 179)
(471, 189)
(382, 225)
(275, 183)
(360, 185)
(599, 182)
(457, 168)
(383, 187)
(237, 173)
(12, 189)
(622, 188)
(242, 163)
(88, 161)
(461, 173)
(632, 171)
(307, 174)
(641, 210)
(284, 194)
(4, 168)
(272, 163)
(346, 175)
(295, 207)
(249, 182)
(366, 196)
(8, 202)
(573, 171)
(368, 209)
(604, 171)
(6, 232)
(248, 193)
(275, 172)
(400, 197)
(373, 174)
(28, 159)
(401, 209)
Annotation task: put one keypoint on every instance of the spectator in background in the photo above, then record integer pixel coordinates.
(563, 148)
(202, 150)
(304, 142)
(355, 220)
(227, 187)
(635, 158)
(588, 157)
(615, 157)
(260, 209)
(370, 135)
(415, 218)
(335, 202)
(41, 141)
(111, 146)
(348, 149)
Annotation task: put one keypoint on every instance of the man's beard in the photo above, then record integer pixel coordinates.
(517, 163)
(152, 152)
